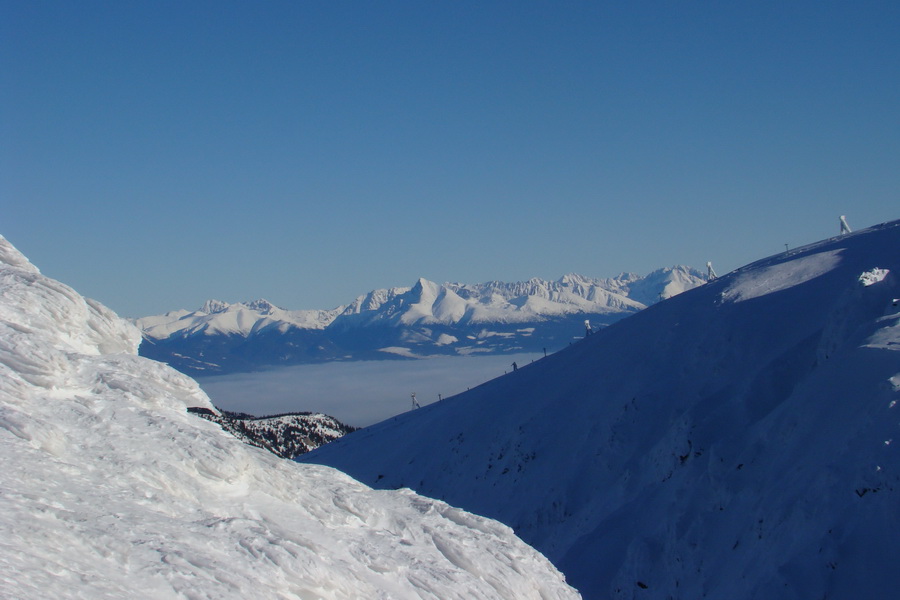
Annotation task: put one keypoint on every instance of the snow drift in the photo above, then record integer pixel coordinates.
(737, 441)
(110, 489)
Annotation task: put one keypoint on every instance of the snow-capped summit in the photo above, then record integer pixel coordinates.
(737, 441)
(112, 489)
(263, 307)
(240, 319)
(423, 320)
(212, 307)
(424, 303)
(658, 285)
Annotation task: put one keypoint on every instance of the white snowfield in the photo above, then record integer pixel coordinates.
(110, 489)
(740, 441)
(780, 276)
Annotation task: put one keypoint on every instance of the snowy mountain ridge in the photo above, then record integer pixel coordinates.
(423, 320)
(112, 489)
(243, 318)
(429, 302)
(737, 441)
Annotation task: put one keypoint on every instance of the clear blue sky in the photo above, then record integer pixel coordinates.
(156, 154)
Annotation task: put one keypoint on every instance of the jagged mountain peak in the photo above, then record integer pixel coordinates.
(263, 307)
(422, 283)
(424, 291)
(572, 279)
(212, 307)
(374, 300)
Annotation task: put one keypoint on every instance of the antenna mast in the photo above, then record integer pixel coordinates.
(710, 272)
(845, 229)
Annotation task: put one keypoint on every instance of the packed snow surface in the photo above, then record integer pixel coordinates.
(735, 442)
(111, 489)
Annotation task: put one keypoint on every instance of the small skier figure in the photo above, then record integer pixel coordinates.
(515, 367)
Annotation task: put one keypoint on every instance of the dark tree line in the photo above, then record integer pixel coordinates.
(287, 435)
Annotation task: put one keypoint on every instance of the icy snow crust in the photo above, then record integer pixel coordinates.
(738, 441)
(110, 489)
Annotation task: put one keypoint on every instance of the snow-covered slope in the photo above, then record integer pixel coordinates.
(738, 441)
(111, 489)
(424, 320)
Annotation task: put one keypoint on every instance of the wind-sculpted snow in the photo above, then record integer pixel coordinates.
(111, 489)
(737, 441)
(766, 280)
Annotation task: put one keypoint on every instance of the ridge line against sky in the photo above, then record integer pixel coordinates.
(156, 155)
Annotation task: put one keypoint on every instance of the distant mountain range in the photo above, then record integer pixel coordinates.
(427, 319)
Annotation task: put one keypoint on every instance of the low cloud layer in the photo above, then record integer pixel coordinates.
(357, 393)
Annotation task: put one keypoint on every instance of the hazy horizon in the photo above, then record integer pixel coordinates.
(359, 393)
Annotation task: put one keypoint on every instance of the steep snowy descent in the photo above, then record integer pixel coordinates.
(737, 441)
(111, 489)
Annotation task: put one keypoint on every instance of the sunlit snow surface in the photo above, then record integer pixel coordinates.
(780, 276)
(110, 489)
(738, 441)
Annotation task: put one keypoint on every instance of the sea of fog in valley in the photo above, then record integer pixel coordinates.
(358, 393)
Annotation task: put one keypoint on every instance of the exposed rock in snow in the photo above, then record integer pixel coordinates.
(111, 489)
(738, 441)
(872, 277)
